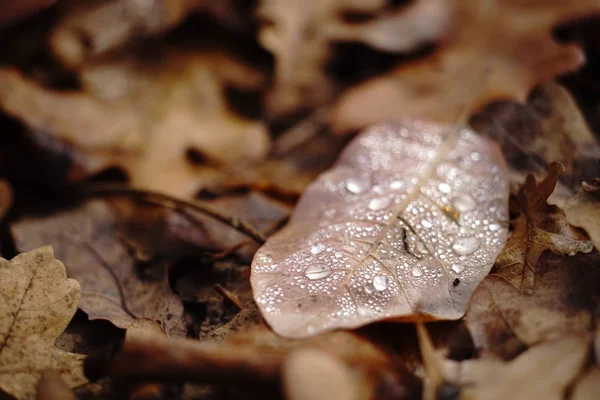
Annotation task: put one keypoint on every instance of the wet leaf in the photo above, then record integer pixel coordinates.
(113, 286)
(497, 50)
(146, 116)
(583, 210)
(543, 372)
(411, 217)
(503, 321)
(538, 228)
(38, 303)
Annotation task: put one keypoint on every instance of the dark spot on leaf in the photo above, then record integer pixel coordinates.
(456, 282)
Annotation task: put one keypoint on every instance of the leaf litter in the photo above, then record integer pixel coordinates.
(153, 96)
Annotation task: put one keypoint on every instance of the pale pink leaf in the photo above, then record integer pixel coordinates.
(410, 218)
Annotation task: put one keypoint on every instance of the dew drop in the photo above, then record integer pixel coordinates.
(444, 188)
(317, 248)
(416, 271)
(493, 227)
(426, 223)
(421, 248)
(380, 282)
(397, 185)
(458, 268)
(379, 203)
(465, 245)
(369, 288)
(317, 271)
(358, 184)
(463, 202)
(475, 156)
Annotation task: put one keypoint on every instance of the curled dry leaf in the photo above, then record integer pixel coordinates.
(299, 35)
(550, 127)
(146, 115)
(538, 228)
(410, 218)
(503, 321)
(113, 286)
(510, 39)
(583, 210)
(543, 372)
(39, 301)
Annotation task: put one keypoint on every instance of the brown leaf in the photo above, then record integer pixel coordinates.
(510, 39)
(583, 210)
(410, 218)
(90, 29)
(146, 116)
(299, 34)
(52, 387)
(503, 321)
(113, 286)
(543, 372)
(6, 198)
(588, 387)
(538, 228)
(39, 301)
(550, 127)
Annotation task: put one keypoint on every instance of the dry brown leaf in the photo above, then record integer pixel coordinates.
(497, 50)
(89, 29)
(543, 372)
(113, 286)
(52, 387)
(410, 219)
(588, 387)
(299, 35)
(550, 127)
(145, 115)
(583, 210)
(38, 303)
(503, 321)
(538, 228)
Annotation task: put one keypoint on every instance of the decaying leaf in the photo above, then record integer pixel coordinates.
(146, 115)
(510, 39)
(538, 228)
(113, 286)
(543, 372)
(583, 210)
(503, 321)
(411, 217)
(299, 35)
(89, 29)
(38, 303)
(550, 127)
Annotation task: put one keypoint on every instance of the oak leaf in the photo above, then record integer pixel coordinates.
(113, 286)
(146, 116)
(300, 33)
(538, 228)
(583, 210)
(498, 50)
(38, 301)
(412, 216)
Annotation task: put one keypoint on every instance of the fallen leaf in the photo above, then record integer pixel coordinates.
(538, 228)
(410, 219)
(52, 387)
(583, 210)
(503, 321)
(496, 51)
(550, 127)
(299, 34)
(113, 287)
(86, 30)
(543, 372)
(39, 301)
(146, 116)
(588, 387)
(6, 198)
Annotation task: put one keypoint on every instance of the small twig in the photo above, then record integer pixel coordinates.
(181, 360)
(165, 200)
(232, 297)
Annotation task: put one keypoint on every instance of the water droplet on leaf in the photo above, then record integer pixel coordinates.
(458, 268)
(379, 203)
(380, 282)
(416, 271)
(465, 245)
(317, 271)
(444, 188)
(426, 223)
(463, 202)
(358, 184)
(317, 248)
